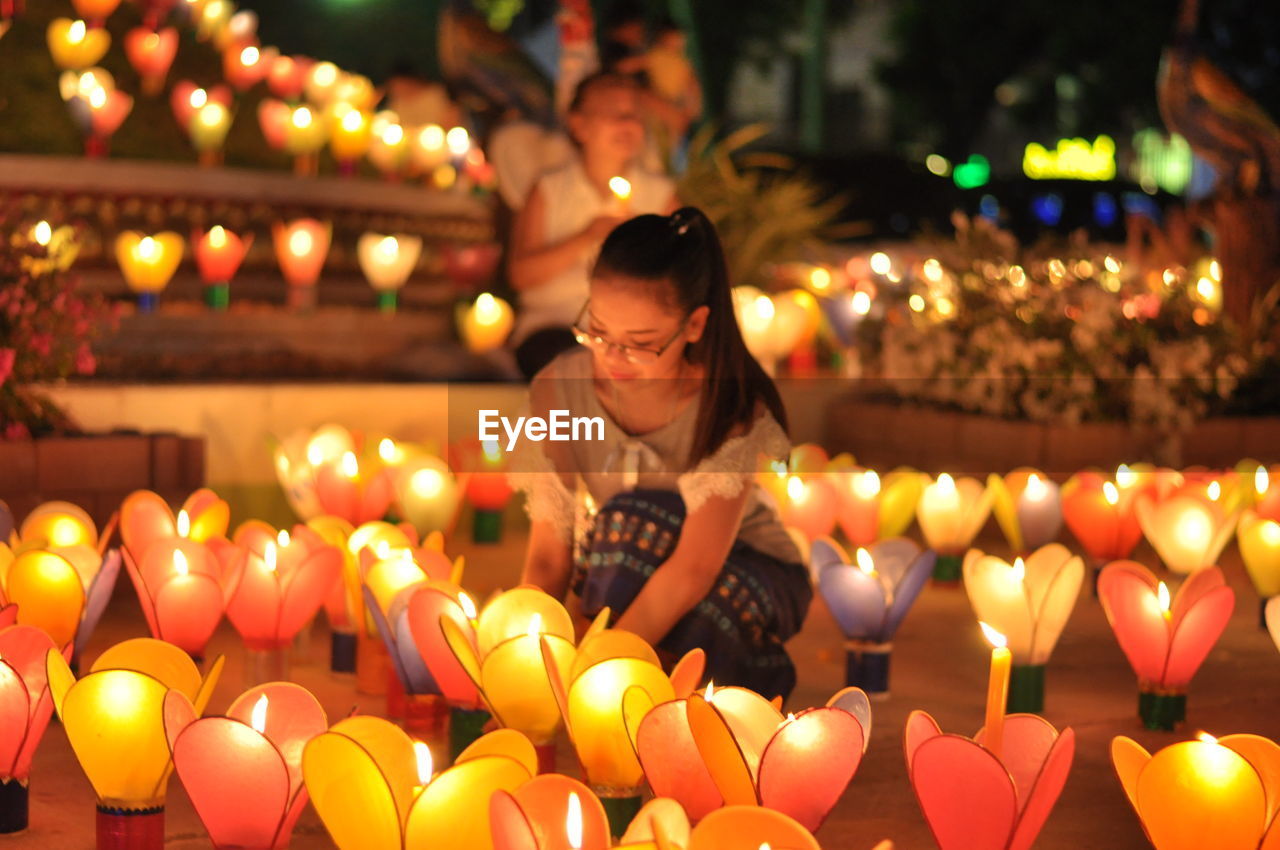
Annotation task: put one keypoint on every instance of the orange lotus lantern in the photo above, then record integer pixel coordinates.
(74, 45)
(186, 99)
(243, 772)
(357, 495)
(25, 708)
(973, 797)
(151, 54)
(1210, 792)
(244, 64)
(148, 262)
(350, 134)
(1187, 530)
(549, 812)
(731, 746)
(114, 720)
(1166, 638)
(273, 120)
(486, 323)
(279, 586)
(287, 75)
(95, 11)
(219, 253)
(1100, 513)
(373, 786)
(810, 505)
(389, 145)
(301, 247)
(98, 113)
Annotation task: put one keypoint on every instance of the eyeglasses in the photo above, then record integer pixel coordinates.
(632, 353)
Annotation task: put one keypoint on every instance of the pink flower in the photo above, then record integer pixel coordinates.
(7, 356)
(86, 363)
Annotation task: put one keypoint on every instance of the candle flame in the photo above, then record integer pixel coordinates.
(282, 539)
(1162, 597)
(573, 822)
(1206, 737)
(710, 694)
(180, 565)
(387, 450)
(301, 118)
(867, 485)
(353, 120)
(1110, 493)
(148, 249)
(535, 625)
(1125, 477)
(269, 556)
(492, 451)
(212, 114)
(423, 754)
(620, 187)
(350, 466)
(993, 637)
(184, 524)
(764, 308)
(258, 717)
(764, 845)
(1019, 570)
(795, 488)
(217, 236)
(1214, 491)
(388, 249)
(1271, 532)
(431, 137)
(42, 233)
(198, 98)
(300, 242)
(860, 303)
(458, 141)
(392, 135)
(76, 32)
(488, 311)
(1261, 480)
(250, 56)
(382, 549)
(865, 562)
(946, 484)
(427, 482)
(1035, 489)
(468, 606)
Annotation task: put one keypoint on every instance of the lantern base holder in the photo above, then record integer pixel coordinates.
(266, 665)
(620, 810)
(546, 757)
(148, 301)
(217, 296)
(1026, 689)
(342, 652)
(1262, 612)
(301, 298)
(130, 829)
(397, 698)
(387, 301)
(465, 726)
(486, 526)
(15, 804)
(947, 569)
(372, 665)
(866, 666)
(1162, 712)
(425, 716)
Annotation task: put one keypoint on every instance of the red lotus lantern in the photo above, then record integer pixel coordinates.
(25, 708)
(287, 76)
(151, 54)
(301, 247)
(187, 99)
(219, 253)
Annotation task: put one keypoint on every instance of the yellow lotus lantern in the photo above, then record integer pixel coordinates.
(1029, 602)
(350, 134)
(73, 45)
(1188, 532)
(608, 665)
(148, 263)
(114, 719)
(1259, 541)
(376, 789)
(486, 323)
(1210, 792)
(389, 145)
(505, 660)
(951, 513)
(387, 262)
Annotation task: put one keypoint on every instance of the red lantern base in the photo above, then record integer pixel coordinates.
(546, 757)
(131, 829)
(396, 698)
(372, 664)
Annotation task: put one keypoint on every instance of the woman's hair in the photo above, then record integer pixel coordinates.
(683, 252)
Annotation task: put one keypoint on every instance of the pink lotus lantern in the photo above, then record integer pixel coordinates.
(25, 709)
(810, 506)
(219, 253)
(869, 596)
(151, 54)
(98, 114)
(1187, 531)
(1028, 507)
(273, 120)
(301, 247)
(972, 797)
(287, 76)
(243, 772)
(1165, 639)
(730, 746)
(277, 588)
(357, 496)
(186, 99)
(549, 812)
(174, 567)
(871, 509)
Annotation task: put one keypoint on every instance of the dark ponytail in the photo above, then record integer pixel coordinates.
(683, 251)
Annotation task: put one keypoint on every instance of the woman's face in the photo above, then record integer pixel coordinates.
(608, 122)
(625, 312)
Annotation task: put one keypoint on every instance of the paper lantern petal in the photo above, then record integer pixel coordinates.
(1028, 738)
(752, 719)
(1129, 600)
(418, 678)
(461, 642)
(856, 702)
(899, 495)
(504, 743)
(1182, 804)
(1195, 635)
(1273, 620)
(304, 592)
(1264, 755)
(916, 574)
(453, 811)
(179, 713)
(672, 763)
(145, 518)
(293, 718)
(241, 799)
(525, 702)
(661, 822)
(509, 826)
(825, 553)
(15, 710)
(597, 723)
(855, 599)
(687, 674)
(1045, 792)
(747, 828)
(556, 680)
(188, 610)
(508, 615)
(548, 796)
(965, 793)
(48, 592)
(999, 598)
(156, 658)
(1129, 758)
(1005, 511)
(610, 643)
(809, 764)
(350, 794)
(920, 728)
(720, 753)
(1058, 600)
(98, 596)
(425, 608)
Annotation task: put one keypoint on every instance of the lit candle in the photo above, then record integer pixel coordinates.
(151, 54)
(486, 324)
(950, 514)
(148, 263)
(620, 187)
(322, 78)
(208, 131)
(1189, 532)
(387, 262)
(245, 64)
(811, 505)
(349, 139)
(997, 690)
(304, 136)
(389, 147)
(301, 247)
(219, 253)
(73, 45)
(427, 493)
(430, 151)
(287, 76)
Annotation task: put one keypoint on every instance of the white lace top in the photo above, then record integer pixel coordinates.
(564, 482)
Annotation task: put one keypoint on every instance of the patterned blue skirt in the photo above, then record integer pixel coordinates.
(756, 604)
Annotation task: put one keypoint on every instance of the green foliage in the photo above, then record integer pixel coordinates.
(764, 212)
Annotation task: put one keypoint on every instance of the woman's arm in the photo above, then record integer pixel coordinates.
(533, 262)
(547, 559)
(685, 579)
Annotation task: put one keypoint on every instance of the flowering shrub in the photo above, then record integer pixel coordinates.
(1063, 335)
(46, 325)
